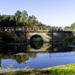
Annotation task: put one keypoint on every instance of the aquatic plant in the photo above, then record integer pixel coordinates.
(9, 69)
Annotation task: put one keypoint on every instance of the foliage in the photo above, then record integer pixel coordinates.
(72, 27)
(68, 41)
(18, 19)
(5, 38)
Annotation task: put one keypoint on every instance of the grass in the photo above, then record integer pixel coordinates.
(56, 70)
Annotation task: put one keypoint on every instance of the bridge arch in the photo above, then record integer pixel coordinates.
(45, 36)
(36, 41)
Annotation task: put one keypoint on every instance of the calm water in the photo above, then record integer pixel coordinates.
(20, 56)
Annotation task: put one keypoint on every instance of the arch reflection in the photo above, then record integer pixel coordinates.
(36, 41)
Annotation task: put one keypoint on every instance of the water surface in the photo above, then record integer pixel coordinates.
(21, 56)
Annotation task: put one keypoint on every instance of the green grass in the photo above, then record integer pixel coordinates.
(64, 70)
(57, 70)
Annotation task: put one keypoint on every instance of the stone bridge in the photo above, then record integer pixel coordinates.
(25, 33)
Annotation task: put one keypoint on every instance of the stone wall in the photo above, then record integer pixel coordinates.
(24, 36)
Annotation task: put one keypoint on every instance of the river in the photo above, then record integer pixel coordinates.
(48, 55)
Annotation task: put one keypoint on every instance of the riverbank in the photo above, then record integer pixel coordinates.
(56, 70)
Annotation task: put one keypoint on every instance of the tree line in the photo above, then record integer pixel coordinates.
(70, 28)
(19, 19)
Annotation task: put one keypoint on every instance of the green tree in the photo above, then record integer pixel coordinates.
(12, 21)
(4, 21)
(18, 13)
(17, 17)
(23, 16)
(73, 26)
(66, 27)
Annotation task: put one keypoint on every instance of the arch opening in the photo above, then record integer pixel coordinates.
(36, 41)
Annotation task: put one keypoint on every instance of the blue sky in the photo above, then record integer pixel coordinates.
(50, 12)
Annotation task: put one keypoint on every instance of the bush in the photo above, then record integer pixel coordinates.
(68, 41)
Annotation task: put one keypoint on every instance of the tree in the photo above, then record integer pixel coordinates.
(19, 19)
(12, 21)
(23, 16)
(18, 13)
(4, 22)
(73, 26)
(25, 13)
(31, 21)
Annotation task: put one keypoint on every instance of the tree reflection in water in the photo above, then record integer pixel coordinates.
(18, 52)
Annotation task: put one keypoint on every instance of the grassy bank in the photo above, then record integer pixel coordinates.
(57, 70)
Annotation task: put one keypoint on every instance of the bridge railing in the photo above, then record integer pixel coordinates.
(30, 28)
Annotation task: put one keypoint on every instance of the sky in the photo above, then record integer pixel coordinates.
(50, 12)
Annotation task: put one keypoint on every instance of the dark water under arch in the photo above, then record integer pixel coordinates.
(36, 41)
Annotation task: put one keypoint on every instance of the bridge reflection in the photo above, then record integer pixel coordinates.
(22, 53)
(27, 48)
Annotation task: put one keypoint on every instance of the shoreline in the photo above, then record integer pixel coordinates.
(55, 70)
